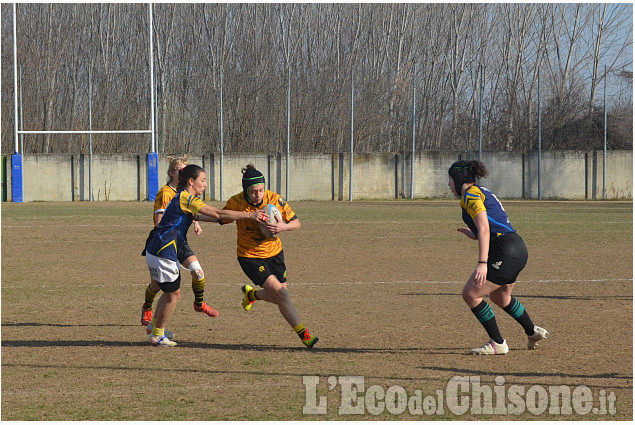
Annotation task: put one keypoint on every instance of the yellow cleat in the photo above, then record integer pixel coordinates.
(246, 302)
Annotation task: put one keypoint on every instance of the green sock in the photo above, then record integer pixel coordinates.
(517, 311)
(485, 315)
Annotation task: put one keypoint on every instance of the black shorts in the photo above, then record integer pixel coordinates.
(259, 269)
(507, 257)
(185, 252)
(170, 286)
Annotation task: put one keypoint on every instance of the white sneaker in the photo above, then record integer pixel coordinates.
(539, 335)
(491, 347)
(166, 332)
(162, 341)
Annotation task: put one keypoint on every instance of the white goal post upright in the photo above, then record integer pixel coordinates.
(15, 81)
(16, 160)
(17, 183)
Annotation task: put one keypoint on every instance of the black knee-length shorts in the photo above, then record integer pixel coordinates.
(259, 269)
(507, 257)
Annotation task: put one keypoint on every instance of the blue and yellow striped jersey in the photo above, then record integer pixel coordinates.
(171, 232)
(478, 199)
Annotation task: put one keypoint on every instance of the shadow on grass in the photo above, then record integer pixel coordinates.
(545, 297)
(65, 325)
(463, 371)
(445, 374)
(223, 347)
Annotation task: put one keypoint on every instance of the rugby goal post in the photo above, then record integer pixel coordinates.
(17, 182)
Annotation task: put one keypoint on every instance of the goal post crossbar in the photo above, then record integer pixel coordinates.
(84, 131)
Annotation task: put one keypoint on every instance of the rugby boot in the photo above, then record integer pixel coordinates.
(247, 289)
(539, 335)
(309, 340)
(146, 316)
(210, 311)
(161, 341)
(491, 347)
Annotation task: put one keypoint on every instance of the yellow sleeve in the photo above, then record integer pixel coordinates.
(287, 213)
(474, 201)
(283, 206)
(190, 203)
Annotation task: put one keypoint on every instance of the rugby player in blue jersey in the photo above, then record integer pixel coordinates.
(170, 238)
(502, 254)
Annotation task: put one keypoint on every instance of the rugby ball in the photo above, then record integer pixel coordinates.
(274, 216)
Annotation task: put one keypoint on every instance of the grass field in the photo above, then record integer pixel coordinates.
(378, 282)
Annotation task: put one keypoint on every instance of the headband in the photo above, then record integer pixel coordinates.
(252, 177)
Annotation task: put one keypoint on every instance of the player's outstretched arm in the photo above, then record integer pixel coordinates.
(208, 213)
(227, 216)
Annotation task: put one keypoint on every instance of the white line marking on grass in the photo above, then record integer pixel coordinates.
(390, 237)
(409, 282)
(379, 282)
(76, 225)
(81, 241)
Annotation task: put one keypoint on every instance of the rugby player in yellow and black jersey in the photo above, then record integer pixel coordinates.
(261, 257)
(502, 255)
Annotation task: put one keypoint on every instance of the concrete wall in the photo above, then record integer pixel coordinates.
(115, 177)
(431, 174)
(565, 175)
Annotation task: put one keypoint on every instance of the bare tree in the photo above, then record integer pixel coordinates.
(380, 49)
(611, 38)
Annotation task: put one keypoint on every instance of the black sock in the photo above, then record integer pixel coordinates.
(485, 315)
(517, 311)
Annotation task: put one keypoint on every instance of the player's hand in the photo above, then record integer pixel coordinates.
(467, 232)
(259, 216)
(480, 274)
(275, 228)
(197, 229)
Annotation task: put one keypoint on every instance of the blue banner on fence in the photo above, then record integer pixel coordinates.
(153, 175)
(17, 183)
(4, 178)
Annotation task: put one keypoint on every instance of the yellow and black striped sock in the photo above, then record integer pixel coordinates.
(300, 329)
(198, 286)
(147, 305)
(251, 295)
